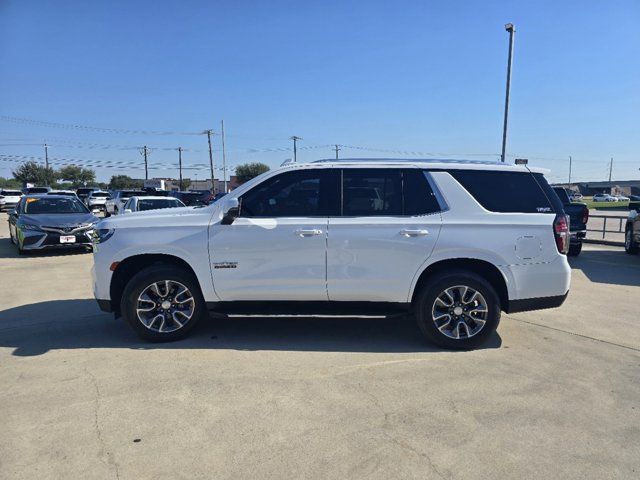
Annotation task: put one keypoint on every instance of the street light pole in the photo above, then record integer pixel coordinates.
(509, 27)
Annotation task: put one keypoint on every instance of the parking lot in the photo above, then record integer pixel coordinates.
(554, 395)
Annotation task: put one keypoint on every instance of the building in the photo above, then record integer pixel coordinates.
(173, 185)
(614, 187)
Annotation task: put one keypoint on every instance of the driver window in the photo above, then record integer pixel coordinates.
(291, 194)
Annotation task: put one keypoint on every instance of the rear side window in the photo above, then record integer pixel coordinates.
(371, 192)
(509, 192)
(387, 192)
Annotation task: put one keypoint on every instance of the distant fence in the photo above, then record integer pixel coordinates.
(607, 229)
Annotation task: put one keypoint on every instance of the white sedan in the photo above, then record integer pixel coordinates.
(139, 204)
(604, 197)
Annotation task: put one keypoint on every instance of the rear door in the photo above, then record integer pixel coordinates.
(389, 224)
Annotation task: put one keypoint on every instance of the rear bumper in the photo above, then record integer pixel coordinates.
(577, 236)
(540, 303)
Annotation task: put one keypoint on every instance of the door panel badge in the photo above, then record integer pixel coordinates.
(225, 265)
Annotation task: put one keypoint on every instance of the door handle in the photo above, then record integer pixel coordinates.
(414, 233)
(310, 232)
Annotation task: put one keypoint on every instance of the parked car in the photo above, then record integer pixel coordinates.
(84, 192)
(192, 199)
(575, 197)
(140, 204)
(35, 190)
(621, 198)
(604, 197)
(9, 199)
(454, 243)
(115, 204)
(96, 200)
(51, 221)
(66, 193)
(578, 217)
(634, 198)
(632, 229)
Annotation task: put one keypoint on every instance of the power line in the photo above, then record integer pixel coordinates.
(28, 121)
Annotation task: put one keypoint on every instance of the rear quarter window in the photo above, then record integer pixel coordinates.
(509, 192)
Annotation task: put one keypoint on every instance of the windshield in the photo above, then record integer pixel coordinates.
(159, 203)
(37, 190)
(100, 195)
(10, 193)
(35, 206)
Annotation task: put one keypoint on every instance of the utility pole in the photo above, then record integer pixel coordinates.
(512, 30)
(610, 169)
(46, 163)
(180, 165)
(337, 149)
(570, 160)
(146, 165)
(224, 158)
(295, 147)
(213, 182)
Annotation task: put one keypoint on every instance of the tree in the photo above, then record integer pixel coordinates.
(78, 176)
(123, 182)
(10, 183)
(32, 172)
(247, 171)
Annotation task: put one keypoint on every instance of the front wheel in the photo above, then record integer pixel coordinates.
(457, 310)
(630, 245)
(162, 303)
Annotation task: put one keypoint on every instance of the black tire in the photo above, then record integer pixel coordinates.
(145, 278)
(575, 249)
(630, 245)
(106, 214)
(429, 293)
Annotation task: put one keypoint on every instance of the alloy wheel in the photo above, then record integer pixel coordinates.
(165, 306)
(460, 312)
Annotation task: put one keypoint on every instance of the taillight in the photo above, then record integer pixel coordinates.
(585, 215)
(561, 232)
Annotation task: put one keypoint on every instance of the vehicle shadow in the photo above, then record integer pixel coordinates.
(608, 266)
(9, 250)
(68, 324)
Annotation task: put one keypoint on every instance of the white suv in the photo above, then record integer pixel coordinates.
(454, 243)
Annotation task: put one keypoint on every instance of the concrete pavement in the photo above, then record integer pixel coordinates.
(554, 394)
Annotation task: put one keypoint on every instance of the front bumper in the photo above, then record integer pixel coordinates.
(37, 240)
(8, 206)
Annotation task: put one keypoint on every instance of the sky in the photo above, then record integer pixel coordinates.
(426, 79)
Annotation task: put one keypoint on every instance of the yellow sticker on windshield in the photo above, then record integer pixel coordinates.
(29, 200)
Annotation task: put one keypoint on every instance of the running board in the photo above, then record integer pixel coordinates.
(310, 309)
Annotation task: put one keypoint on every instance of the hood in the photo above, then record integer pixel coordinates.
(59, 219)
(161, 217)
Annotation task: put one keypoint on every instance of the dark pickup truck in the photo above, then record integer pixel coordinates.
(578, 216)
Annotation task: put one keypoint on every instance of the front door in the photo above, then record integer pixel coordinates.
(276, 248)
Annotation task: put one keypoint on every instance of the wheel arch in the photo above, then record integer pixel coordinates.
(128, 267)
(483, 268)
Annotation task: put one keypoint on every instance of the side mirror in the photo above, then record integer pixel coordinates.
(230, 210)
(13, 213)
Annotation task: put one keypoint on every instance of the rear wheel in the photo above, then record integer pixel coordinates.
(575, 249)
(457, 310)
(630, 245)
(162, 303)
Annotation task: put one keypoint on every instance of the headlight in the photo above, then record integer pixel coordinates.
(101, 235)
(28, 226)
